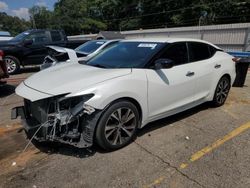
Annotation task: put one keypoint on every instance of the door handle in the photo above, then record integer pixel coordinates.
(217, 66)
(189, 74)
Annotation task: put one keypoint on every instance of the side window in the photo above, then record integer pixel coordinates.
(56, 36)
(38, 38)
(212, 50)
(198, 51)
(177, 52)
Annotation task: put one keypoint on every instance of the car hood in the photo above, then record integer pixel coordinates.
(70, 78)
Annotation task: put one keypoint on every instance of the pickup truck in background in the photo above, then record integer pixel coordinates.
(29, 47)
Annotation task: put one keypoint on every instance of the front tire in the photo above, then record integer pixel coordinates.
(12, 63)
(117, 126)
(221, 91)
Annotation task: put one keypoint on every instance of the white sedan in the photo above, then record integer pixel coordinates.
(109, 97)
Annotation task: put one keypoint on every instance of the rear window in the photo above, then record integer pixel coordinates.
(198, 51)
(90, 47)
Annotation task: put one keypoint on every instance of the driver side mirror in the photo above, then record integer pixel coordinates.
(164, 64)
(28, 42)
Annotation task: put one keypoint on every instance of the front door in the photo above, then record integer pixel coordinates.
(173, 88)
(35, 53)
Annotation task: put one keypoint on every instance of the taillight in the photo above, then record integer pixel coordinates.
(1, 53)
(236, 59)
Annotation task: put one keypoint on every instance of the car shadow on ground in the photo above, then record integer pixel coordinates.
(63, 149)
(172, 119)
(6, 90)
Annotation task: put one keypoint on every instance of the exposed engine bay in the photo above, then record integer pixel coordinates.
(60, 119)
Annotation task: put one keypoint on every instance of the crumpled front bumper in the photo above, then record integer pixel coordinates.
(31, 125)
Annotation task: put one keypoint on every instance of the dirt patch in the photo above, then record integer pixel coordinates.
(13, 141)
(18, 160)
(236, 98)
(9, 128)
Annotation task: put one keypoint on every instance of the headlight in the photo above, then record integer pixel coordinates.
(70, 103)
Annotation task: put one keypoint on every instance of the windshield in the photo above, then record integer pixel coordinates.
(21, 36)
(126, 55)
(90, 47)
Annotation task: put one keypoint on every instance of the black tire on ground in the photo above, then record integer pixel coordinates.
(221, 91)
(12, 63)
(117, 126)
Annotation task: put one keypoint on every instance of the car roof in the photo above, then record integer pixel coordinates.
(105, 40)
(168, 40)
(39, 30)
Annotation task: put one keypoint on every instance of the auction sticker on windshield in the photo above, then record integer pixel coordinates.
(147, 45)
(99, 42)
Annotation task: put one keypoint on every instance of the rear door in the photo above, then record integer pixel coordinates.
(57, 38)
(200, 56)
(170, 90)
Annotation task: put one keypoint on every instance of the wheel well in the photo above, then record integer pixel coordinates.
(135, 102)
(228, 76)
(15, 56)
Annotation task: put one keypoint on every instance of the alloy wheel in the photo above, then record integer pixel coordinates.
(11, 65)
(120, 126)
(222, 91)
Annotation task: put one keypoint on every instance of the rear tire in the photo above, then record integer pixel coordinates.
(221, 91)
(117, 126)
(12, 63)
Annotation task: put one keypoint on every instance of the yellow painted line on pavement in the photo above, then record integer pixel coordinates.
(216, 144)
(205, 151)
(156, 182)
(231, 114)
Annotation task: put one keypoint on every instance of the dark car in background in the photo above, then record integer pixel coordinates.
(29, 47)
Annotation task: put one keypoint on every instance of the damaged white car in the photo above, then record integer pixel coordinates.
(85, 51)
(134, 82)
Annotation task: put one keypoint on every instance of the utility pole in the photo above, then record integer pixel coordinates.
(202, 17)
(33, 22)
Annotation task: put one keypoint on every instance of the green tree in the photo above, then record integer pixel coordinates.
(75, 18)
(91, 16)
(12, 24)
(41, 18)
